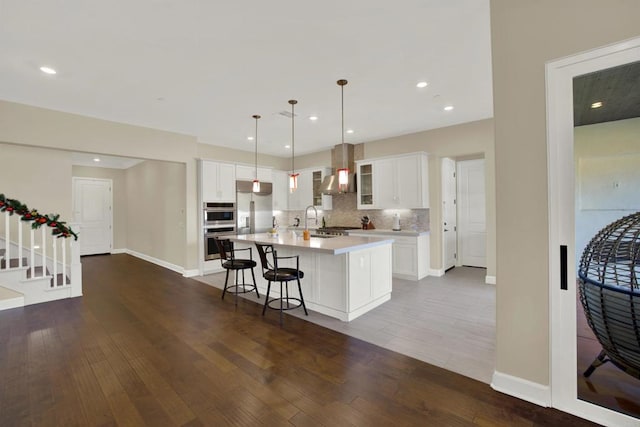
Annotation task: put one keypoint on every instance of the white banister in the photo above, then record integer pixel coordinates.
(20, 257)
(64, 261)
(7, 242)
(54, 243)
(44, 250)
(32, 253)
(35, 252)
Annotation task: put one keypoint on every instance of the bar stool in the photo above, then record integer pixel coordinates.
(230, 262)
(272, 272)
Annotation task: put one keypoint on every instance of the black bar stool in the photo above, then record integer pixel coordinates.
(274, 273)
(230, 262)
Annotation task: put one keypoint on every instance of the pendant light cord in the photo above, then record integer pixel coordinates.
(342, 83)
(293, 143)
(342, 108)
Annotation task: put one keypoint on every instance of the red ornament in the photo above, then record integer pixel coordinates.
(53, 224)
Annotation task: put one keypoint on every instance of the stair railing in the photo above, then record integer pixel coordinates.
(62, 242)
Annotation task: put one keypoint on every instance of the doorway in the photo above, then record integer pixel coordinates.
(92, 201)
(472, 219)
(449, 214)
(464, 225)
(565, 189)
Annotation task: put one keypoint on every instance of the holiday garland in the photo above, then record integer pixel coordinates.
(60, 229)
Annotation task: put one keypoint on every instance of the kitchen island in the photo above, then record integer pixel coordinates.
(344, 276)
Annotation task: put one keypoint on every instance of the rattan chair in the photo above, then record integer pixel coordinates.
(608, 285)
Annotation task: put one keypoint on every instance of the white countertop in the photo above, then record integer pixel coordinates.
(388, 232)
(333, 245)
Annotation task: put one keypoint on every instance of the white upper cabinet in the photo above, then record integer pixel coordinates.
(400, 182)
(365, 185)
(308, 192)
(303, 195)
(218, 182)
(248, 173)
(280, 190)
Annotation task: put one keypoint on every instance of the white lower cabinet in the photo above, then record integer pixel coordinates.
(411, 255)
(405, 257)
(368, 276)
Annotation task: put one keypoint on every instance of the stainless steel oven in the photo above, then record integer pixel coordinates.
(219, 214)
(210, 248)
(219, 219)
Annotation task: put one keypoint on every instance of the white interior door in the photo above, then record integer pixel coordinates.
(92, 210)
(562, 248)
(472, 223)
(449, 214)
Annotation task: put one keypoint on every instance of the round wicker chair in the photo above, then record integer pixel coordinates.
(609, 292)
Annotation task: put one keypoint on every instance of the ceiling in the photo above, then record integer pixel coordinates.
(618, 89)
(204, 67)
(102, 161)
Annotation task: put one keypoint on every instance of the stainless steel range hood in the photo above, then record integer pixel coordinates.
(340, 158)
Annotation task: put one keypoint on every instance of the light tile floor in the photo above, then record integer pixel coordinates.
(446, 321)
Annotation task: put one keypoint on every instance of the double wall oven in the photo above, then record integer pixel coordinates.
(219, 220)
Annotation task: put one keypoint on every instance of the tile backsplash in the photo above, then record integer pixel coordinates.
(345, 213)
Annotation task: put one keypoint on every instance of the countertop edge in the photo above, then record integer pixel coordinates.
(378, 232)
(372, 241)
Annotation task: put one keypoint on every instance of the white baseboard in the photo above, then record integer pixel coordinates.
(191, 273)
(156, 261)
(522, 389)
(436, 272)
(118, 251)
(490, 280)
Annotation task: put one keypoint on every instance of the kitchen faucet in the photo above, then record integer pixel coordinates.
(306, 211)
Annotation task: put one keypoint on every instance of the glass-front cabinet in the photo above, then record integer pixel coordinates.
(365, 185)
(317, 184)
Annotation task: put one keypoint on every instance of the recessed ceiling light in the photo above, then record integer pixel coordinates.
(250, 138)
(422, 84)
(349, 130)
(448, 108)
(287, 146)
(313, 118)
(96, 159)
(596, 104)
(48, 70)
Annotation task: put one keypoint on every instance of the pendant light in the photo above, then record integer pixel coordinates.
(343, 172)
(256, 183)
(293, 176)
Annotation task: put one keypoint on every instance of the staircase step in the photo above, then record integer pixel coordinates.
(37, 272)
(13, 262)
(60, 280)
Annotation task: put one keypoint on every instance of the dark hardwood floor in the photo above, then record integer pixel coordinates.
(145, 346)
